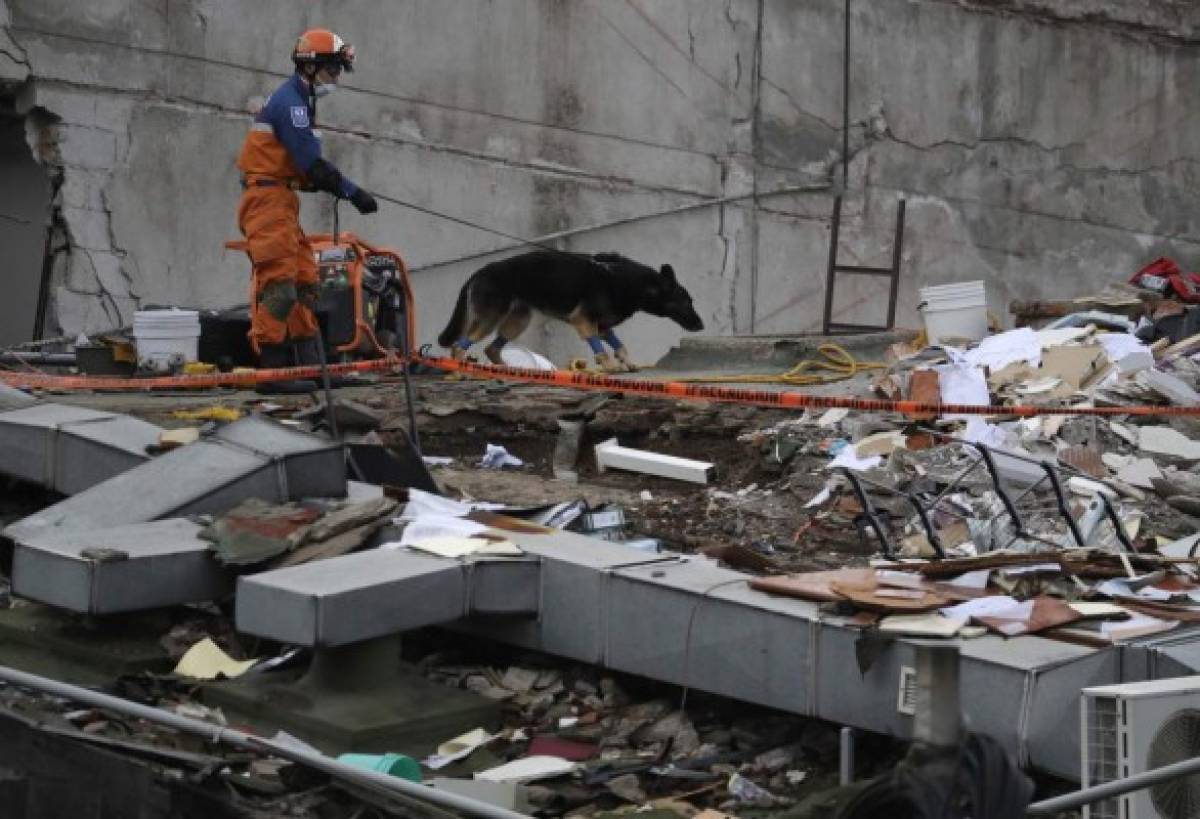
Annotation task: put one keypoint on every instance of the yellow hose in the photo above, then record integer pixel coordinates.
(836, 365)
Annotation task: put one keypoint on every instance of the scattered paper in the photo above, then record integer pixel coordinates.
(1086, 488)
(906, 580)
(1037, 568)
(422, 504)
(849, 459)
(1184, 547)
(962, 384)
(1121, 587)
(1100, 611)
(993, 606)
(437, 460)
(206, 661)
(979, 431)
(497, 457)
(464, 546)
(458, 748)
(435, 526)
(1118, 345)
(1057, 337)
(971, 580)
(922, 625)
(1137, 625)
(528, 769)
(998, 351)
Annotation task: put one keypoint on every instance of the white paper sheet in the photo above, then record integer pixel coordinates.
(962, 384)
(994, 606)
(998, 351)
(463, 546)
(971, 580)
(848, 458)
(1136, 625)
(527, 769)
(435, 526)
(497, 457)
(458, 748)
(1118, 345)
(979, 431)
(1118, 587)
(1037, 568)
(421, 504)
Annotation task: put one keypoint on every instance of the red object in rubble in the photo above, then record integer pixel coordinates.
(1166, 277)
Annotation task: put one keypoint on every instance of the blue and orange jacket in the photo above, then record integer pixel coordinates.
(281, 143)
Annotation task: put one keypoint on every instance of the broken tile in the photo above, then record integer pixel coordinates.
(1140, 473)
(1085, 459)
(1168, 441)
(1169, 387)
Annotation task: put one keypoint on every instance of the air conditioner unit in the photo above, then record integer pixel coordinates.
(1136, 727)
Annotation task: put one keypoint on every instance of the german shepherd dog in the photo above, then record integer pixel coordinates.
(591, 293)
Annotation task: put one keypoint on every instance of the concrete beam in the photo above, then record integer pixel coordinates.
(126, 568)
(253, 457)
(70, 449)
(371, 594)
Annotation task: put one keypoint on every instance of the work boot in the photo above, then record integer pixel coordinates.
(276, 356)
(310, 356)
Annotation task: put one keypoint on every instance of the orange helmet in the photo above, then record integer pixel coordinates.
(323, 47)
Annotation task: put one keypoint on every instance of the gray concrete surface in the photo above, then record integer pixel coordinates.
(1044, 146)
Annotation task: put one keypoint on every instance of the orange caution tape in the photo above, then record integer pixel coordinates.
(577, 380)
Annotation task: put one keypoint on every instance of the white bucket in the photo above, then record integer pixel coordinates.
(954, 311)
(166, 339)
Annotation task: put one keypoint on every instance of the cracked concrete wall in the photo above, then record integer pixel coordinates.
(1043, 145)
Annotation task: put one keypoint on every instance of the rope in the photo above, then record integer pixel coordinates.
(836, 364)
(669, 390)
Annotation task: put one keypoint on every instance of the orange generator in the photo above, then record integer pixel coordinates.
(365, 307)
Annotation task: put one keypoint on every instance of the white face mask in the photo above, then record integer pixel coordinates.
(323, 89)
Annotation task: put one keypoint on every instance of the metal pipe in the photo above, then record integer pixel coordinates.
(846, 757)
(846, 103)
(1087, 796)
(215, 733)
(38, 359)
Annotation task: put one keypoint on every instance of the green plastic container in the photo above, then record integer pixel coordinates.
(395, 764)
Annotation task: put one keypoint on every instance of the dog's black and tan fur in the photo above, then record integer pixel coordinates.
(593, 294)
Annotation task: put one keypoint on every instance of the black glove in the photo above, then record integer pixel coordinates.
(364, 201)
(324, 177)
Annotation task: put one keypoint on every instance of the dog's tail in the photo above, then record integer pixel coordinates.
(456, 326)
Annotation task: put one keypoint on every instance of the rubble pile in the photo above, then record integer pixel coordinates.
(640, 750)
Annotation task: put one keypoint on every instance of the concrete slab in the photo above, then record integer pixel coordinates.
(734, 353)
(355, 698)
(142, 566)
(253, 457)
(54, 643)
(70, 449)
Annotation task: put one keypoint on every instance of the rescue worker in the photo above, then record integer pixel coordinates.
(281, 155)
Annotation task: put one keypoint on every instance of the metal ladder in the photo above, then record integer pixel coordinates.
(828, 325)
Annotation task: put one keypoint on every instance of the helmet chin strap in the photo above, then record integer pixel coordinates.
(311, 79)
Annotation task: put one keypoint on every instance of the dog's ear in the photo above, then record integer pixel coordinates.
(668, 273)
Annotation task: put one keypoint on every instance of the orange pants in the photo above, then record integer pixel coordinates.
(285, 272)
